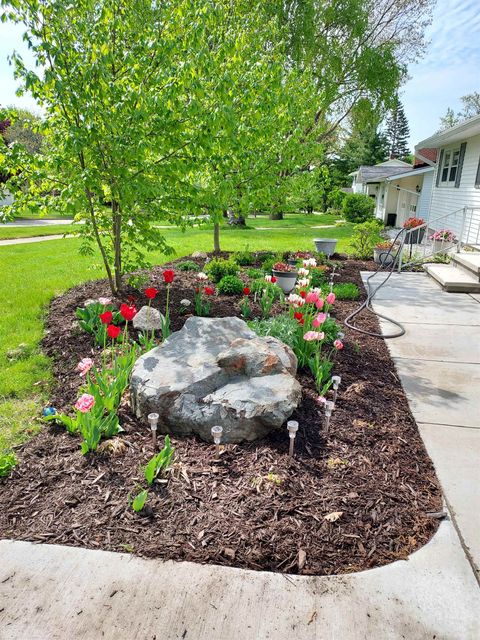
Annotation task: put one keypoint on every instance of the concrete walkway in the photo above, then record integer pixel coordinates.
(438, 361)
(10, 241)
(51, 592)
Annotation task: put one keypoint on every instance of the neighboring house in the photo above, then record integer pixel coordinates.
(399, 189)
(455, 198)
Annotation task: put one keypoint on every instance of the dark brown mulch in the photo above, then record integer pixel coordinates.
(256, 508)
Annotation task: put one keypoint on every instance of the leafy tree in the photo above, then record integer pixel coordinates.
(397, 130)
(471, 107)
(23, 129)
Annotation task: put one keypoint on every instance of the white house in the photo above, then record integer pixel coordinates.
(455, 197)
(399, 189)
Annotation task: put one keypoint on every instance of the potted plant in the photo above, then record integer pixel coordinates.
(325, 245)
(286, 276)
(442, 239)
(416, 235)
(384, 253)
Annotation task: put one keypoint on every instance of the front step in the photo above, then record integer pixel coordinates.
(453, 278)
(469, 261)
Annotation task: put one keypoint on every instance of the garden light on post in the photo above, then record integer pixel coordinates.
(153, 422)
(292, 426)
(336, 383)
(217, 437)
(329, 406)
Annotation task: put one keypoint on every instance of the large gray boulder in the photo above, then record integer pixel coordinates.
(217, 371)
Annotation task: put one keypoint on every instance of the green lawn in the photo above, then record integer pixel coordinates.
(7, 233)
(34, 273)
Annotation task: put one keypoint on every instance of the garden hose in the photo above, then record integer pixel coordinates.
(382, 268)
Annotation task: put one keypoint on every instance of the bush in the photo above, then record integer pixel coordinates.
(244, 258)
(254, 274)
(258, 285)
(346, 291)
(364, 238)
(317, 277)
(283, 327)
(230, 286)
(267, 265)
(358, 207)
(262, 257)
(188, 265)
(219, 268)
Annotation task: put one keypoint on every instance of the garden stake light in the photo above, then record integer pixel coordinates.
(292, 426)
(329, 405)
(153, 422)
(336, 380)
(217, 437)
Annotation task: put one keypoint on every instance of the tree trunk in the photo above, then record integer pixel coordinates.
(277, 215)
(117, 244)
(216, 237)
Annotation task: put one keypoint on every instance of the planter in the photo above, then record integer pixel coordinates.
(286, 280)
(439, 246)
(381, 256)
(292, 262)
(325, 245)
(415, 236)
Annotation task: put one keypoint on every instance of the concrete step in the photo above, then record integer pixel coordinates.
(469, 261)
(453, 278)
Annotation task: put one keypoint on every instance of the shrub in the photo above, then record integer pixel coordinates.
(188, 265)
(346, 291)
(364, 238)
(317, 277)
(230, 286)
(244, 258)
(219, 268)
(262, 257)
(254, 274)
(358, 207)
(267, 265)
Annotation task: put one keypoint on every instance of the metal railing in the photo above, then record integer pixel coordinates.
(454, 230)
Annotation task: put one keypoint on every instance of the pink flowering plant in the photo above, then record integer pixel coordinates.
(443, 235)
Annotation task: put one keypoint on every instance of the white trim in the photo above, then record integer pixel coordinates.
(409, 174)
(459, 132)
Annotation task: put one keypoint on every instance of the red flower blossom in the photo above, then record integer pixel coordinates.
(168, 276)
(106, 317)
(297, 315)
(246, 291)
(209, 291)
(302, 294)
(113, 331)
(197, 290)
(273, 279)
(151, 292)
(131, 299)
(128, 312)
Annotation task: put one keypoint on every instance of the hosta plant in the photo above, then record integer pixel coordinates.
(160, 462)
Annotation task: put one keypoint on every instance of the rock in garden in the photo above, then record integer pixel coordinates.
(148, 319)
(217, 371)
(199, 254)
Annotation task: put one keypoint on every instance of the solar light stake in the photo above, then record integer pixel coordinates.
(329, 405)
(217, 437)
(336, 380)
(153, 422)
(292, 426)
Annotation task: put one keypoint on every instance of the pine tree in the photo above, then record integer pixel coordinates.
(397, 131)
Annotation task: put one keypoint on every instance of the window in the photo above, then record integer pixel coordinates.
(449, 170)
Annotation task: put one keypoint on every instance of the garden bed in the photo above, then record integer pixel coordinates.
(256, 508)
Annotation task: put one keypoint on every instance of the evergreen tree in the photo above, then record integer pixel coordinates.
(397, 130)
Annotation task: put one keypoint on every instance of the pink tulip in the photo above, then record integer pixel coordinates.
(312, 297)
(84, 366)
(319, 320)
(105, 301)
(321, 400)
(314, 335)
(319, 303)
(338, 344)
(331, 298)
(85, 403)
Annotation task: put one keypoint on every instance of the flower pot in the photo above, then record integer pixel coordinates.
(439, 246)
(383, 257)
(325, 245)
(286, 280)
(292, 262)
(415, 236)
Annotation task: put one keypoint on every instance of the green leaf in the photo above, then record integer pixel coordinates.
(139, 501)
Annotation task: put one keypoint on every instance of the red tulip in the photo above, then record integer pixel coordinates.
(106, 317)
(113, 331)
(273, 279)
(151, 292)
(297, 315)
(302, 294)
(209, 291)
(246, 291)
(168, 276)
(128, 312)
(131, 299)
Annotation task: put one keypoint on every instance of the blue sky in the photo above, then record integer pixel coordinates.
(450, 68)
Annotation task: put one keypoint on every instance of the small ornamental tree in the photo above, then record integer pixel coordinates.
(358, 207)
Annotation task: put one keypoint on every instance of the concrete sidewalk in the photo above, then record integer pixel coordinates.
(438, 362)
(10, 241)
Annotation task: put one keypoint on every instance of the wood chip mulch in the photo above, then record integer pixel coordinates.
(256, 508)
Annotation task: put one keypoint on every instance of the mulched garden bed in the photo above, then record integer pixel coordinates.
(256, 508)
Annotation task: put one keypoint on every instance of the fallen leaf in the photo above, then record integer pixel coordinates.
(302, 558)
(333, 517)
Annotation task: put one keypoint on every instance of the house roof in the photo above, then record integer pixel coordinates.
(380, 172)
(409, 174)
(465, 129)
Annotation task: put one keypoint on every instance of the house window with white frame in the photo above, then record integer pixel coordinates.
(449, 168)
